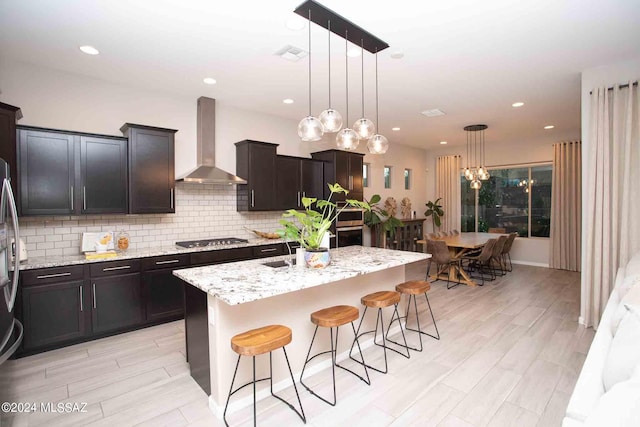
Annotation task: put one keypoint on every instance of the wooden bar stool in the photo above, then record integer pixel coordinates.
(414, 288)
(256, 342)
(333, 317)
(380, 300)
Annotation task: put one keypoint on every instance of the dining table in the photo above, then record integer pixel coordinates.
(460, 245)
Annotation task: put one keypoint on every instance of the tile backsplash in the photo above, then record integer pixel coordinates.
(202, 211)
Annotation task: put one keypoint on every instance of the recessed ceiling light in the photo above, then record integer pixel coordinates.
(288, 101)
(549, 127)
(443, 142)
(397, 54)
(209, 81)
(89, 50)
(517, 104)
(353, 52)
(296, 23)
(396, 129)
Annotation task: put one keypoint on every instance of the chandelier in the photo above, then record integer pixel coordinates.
(476, 149)
(330, 120)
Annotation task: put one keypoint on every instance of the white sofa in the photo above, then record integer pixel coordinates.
(607, 392)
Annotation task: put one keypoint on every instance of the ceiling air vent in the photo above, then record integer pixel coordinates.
(292, 53)
(433, 113)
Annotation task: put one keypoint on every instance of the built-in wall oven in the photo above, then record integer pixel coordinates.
(349, 226)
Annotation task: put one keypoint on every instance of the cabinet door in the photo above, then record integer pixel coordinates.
(116, 301)
(288, 193)
(356, 189)
(151, 173)
(8, 146)
(54, 313)
(164, 295)
(104, 175)
(47, 173)
(261, 177)
(312, 178)
(341, 166)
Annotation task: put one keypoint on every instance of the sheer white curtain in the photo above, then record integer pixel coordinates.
(612, 214)
(566, 206)
(448, 188)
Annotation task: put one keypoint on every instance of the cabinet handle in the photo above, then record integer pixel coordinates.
(268, 250)
(84, 198)
(93, 288)
(304, 194)
(171, 261)
(253, 199)
(81, 300)
(122, 267)
(71, 194)
(298, 199)
(350, 182)
(50, 276)
(172, 198)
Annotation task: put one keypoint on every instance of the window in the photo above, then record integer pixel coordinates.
(387, 177)
(365, 174)
(514, 199)
(407, 179)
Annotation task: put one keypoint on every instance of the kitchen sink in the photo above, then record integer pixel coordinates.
(281, 263)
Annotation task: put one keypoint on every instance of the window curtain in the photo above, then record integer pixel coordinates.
(612, 206)
(566, 206)
(448, 188)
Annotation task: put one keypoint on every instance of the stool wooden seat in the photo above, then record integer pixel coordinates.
(332, 317)
(261, 340)
(414, 287)
(380, 299)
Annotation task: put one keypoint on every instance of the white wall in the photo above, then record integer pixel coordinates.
(533, 251)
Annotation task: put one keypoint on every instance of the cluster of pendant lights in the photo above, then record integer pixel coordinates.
(330, 120)
(475, 143)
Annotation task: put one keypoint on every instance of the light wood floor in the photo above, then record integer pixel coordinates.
(509, 355)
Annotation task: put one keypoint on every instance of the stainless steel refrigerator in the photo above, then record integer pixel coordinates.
(11, 330)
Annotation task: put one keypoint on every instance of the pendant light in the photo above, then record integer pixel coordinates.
(310, 128)
(378, 144)
(331, 119)
(467, 172)
(347, 139)
(476, 184)
(479, 173)
(483, 172)
(364, 127)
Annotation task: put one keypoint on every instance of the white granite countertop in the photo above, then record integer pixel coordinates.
(170, 249)
(246, 281)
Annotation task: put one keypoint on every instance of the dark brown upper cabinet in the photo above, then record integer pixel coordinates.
(63, 173)
(9, 115)
(345, 168)
(256, 163)
(151, 168)
(297, 178)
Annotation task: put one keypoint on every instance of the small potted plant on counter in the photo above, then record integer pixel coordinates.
(310, 226)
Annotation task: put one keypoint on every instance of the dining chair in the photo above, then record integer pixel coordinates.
(432, 236)
(498, 230)
(455, 232)
(482, 260)
(497, 254)
(506, 251)
(440, 254)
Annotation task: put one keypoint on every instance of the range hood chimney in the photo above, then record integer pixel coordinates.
(206, 172)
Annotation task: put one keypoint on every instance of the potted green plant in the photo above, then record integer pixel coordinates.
(310, 226)
(434, 210)
(380, 222)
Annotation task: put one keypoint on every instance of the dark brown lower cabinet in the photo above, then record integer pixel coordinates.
(164, 295)
(116, 302)
(54, 313)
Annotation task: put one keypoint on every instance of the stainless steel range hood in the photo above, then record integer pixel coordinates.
(206, 172)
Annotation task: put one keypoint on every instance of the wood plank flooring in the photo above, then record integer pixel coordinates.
(509, 355)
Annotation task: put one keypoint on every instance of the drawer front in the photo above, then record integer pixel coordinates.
(166, 261)
(43, 276)
(220, 256)
(113, 268)
(269, 250)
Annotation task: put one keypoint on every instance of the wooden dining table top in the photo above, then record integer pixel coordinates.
(469, 240)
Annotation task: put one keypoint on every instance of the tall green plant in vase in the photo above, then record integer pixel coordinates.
(309, 226)
(434, 210)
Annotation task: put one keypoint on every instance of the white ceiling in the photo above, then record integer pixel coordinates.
(470, 58)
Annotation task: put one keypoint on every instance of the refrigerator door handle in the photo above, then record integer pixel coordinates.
(7, 354)
(10, 294)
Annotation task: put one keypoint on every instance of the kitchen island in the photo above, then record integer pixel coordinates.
(227, 299)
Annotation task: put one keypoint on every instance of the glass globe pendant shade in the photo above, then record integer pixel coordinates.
(378, 144)
(468, 174)
(483, 174)
(347, 139)
(310, 129)
(364, 128)
(476, 184)
(331, 120)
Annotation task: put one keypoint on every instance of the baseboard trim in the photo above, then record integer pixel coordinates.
(533, 264)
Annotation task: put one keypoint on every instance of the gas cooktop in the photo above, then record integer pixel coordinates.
(210, 242)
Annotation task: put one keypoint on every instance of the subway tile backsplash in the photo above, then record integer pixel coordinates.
(202, 211)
